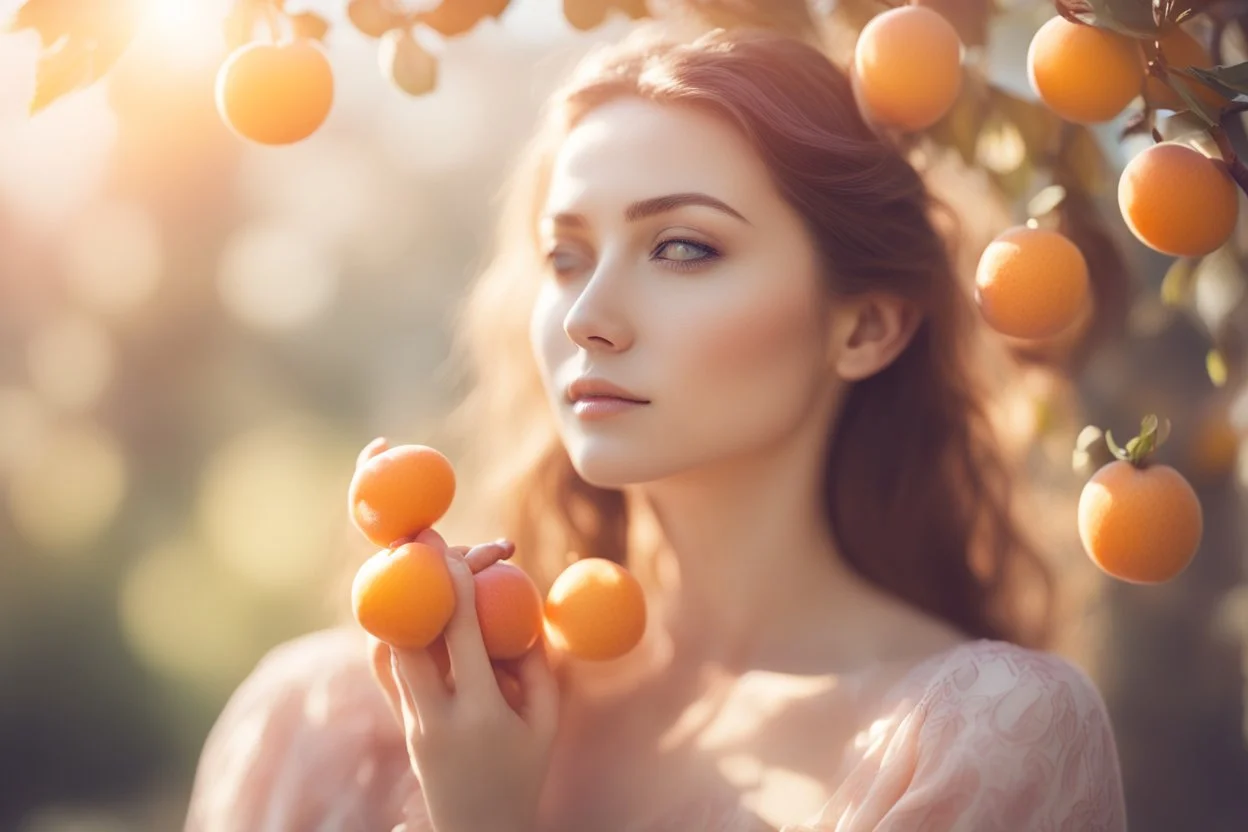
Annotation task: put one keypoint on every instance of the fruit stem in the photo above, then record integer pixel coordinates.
(273, 21)
(1153, 433)
(1233, 163)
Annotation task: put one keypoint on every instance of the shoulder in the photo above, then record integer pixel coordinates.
(1016, 736)
(979, 674)
(305, 736)
(989, 735)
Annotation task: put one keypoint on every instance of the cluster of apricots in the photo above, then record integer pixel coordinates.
(280, 90)
(404, 596)
(1139, 521)
(1032, 283)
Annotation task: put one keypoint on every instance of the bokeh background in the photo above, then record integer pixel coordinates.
(197, 335)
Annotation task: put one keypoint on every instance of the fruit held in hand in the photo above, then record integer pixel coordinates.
(907, 67)
(1177, 200)
(1083, 73)
(1031, 283)
(1140, 522)
(400, 492)
(404, 596)
(276, 93)
(595, 610)
(509, 609)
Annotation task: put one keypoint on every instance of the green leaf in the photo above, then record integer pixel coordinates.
(1182, 125)
(1130, 17)
(1176, 286)
(1089, 437)
(1209, 115)
(1114, 447)
(1229, 80)
(455, 17)
(635, 9)
(82, 39)
(66, 67)
(1049, 199)
(240, 23)
(1039, 126)
(959, 128)
(52, 19)
(309, 25)
(1081, 156)
(1215, 366)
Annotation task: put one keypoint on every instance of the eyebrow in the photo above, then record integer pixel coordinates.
(656, 205)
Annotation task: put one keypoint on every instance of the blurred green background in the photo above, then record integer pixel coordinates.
(197, 335)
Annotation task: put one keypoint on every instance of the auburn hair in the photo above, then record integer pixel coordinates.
(917, 489)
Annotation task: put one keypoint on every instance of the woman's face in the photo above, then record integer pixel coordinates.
(675, 270)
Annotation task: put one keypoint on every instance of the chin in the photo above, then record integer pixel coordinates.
(605, 463)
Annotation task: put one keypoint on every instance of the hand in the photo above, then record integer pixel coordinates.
(481, 765)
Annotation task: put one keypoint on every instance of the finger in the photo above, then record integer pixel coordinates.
(487, 554)
(383, 673)
(541, 693)
(420, 684)
(470, 665)
(430, 538)
(371, 450)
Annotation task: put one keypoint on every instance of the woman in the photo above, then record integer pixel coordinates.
(800, 471)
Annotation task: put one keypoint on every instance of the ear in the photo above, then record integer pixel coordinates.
(869, 333)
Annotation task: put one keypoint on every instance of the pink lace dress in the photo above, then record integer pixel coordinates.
(990, 737)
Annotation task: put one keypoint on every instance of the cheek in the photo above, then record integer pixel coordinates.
(761, 350)
(546, 335)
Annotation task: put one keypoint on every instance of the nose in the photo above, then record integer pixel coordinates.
(598, 320)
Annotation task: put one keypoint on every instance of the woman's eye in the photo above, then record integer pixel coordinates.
(684, 253)
(563, 262)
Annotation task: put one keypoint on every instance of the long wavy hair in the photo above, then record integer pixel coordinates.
(916, 487)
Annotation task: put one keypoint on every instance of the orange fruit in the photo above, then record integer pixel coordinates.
(585, 14)
(595, 610)
(374, 18)
(907, 68)
(1085, 74)
(1177, 200)
(1031, 283)
(276, 93)
(404, 596)
(509, 609)
(1140, 525)
(455, 17)
(400, 492)
(1181, 51)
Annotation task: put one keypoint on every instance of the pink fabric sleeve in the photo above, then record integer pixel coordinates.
(999, 738)
(306, 742)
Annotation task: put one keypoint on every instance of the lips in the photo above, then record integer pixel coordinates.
(590, 389)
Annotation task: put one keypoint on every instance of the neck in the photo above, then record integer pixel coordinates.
(745, 565)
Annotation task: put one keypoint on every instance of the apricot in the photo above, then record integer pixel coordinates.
(1084, 73)
(1178, 201)
(400, 492)
(1031, 283)
(595, 610)
(1140, 524)
(275, 93)
(404, 596)
(907, 68)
